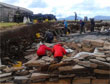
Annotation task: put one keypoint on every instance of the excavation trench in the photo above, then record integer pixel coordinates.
(86, 67)
(14, 42)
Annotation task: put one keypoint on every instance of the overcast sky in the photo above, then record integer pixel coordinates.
(65, 8)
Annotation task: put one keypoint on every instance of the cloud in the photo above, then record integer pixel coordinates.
(41, 10)
(23, 3)
(102, 3)
(62, 3)
(8, 1)
(65, 8)
(38, 4)
(91, 8)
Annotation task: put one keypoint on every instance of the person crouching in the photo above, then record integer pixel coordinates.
(41, 51)
(58, 52)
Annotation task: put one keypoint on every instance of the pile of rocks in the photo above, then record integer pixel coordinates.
(91, 58)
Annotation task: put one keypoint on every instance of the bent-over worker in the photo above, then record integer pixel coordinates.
(42, 50)
(58, 52)
(49, 36)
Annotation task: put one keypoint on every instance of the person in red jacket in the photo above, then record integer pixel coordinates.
(58, 52)
(42, 50)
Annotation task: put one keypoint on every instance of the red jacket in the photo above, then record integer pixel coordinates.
(42, 50)
(58, 50)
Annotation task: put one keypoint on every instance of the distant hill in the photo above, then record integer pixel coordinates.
(99, 17)
(70, 18)
(102, 17)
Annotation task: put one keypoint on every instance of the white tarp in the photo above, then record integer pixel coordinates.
(25, 19)
(69, 50)
(85, 53)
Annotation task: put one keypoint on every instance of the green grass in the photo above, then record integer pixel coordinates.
(7, 25)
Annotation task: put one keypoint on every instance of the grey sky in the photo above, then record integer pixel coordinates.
(65, 8)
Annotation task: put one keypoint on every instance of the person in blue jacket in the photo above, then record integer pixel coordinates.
(65, 26)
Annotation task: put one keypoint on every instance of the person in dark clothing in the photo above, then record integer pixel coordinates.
(82, 29)
(18, 15)
(75, 16)
(92, 25)
(49, 36)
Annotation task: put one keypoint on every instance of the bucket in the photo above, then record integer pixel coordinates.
(37, 35)
(19, 64)
(35, 21)
(67, 33)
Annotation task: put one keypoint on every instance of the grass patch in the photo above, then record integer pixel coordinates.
(7, 25)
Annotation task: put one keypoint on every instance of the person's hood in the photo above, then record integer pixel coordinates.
(42, 45)
(58, 44)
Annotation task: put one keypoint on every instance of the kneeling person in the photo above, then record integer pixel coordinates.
(42, 50)
(58, 51)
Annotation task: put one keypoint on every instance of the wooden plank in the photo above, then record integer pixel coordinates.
(108, 59)
(77, 67)
(56, 66)
(36, 76)
(63, 81)
(107, 45)
(6, 83)
(71, 68)
(74, 46)
(5, 75)
(100, 62)
(88, 49)
(65, 68)
(2, 67)
(81, 81)
(13, 69)
(98, 55)
(100, 81)
(67, 76)
(22, 73)
(35, 63)
(100, 58)
(97, 43)
(83, 56)
(87, 64)
(21, 77)
(5, 79)
(99, 71)
(33, 59)
(0, 61)
(78, 81)
(31, 56)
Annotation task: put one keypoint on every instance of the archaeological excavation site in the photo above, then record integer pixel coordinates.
(86, 59)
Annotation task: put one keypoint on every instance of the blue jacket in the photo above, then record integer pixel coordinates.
(65, 24)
